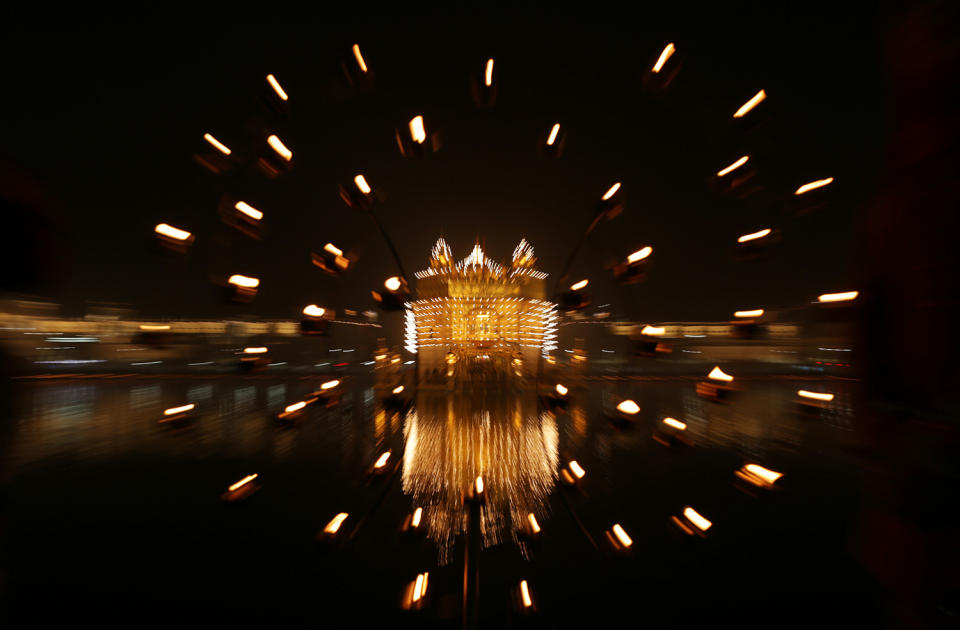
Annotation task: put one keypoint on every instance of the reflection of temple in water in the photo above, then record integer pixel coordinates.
(478, 321)
(504, 438)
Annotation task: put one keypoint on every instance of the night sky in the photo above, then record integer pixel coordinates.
(103, 121)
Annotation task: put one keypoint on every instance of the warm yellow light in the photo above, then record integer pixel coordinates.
(330, 384)
(154, 327)
(334, 525)
(382, 460)
(561, 390)
(553, 134)
(479, 484)
(216, 143)
(248, 210)
(272, 80)
(417, 515)
(333, 249)
(314, 311)
(579, 285)
(280, 148)
(243, 482)
(392, 283)
(753, 102)
(676, 424)
(653, 331)
(695, 518)
(754, 235)
(244, 281)
(417, 132)
(767, 475)
(398, 389)
(488, 75)
(838, 297)
(175, 410)
(718, 375)
(820, 183)
(613, 190)
(733, 166)
(640, 254)
(757, 312)
(525, 594)
(666, 54)
(255, 350)
(362, 184)
(295, 407)
(622, 535)
(420, 588)
(576, 469)
(171, 232)
(814, 395)
(359, 58)
(628, 406)
(534, 525)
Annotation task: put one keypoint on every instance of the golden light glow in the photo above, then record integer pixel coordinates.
(333, 249)
(171, 232)
(392, 283)
(676, 424)
(733, 166)
(243, 482)
(154, 327)
(248, 210)
(255, 350)
(553, 134)
(628, 406)
(525, 594)
(417, 132)
(579, 285)
(622, 535)
(838, 297)
(244, 281)
(420, 588)
(335, 524)
(753, 235)
(417, 515)
(820, 183)
(753, 102)
(175, 410)
(814, 395)
(576, 469)
(217, 144)
(314, 311)
(382, 460)
(767, 475)
(330, 384)
(534, 525)
(272, 80)
(398, 389)
(362, 184)
(757, 312)
(562, 390)
(613, 190)
(280, 148)
(666, 54)
(694, 517)
(640, 254)
(488, 75)
(719, 375)
(478, 484)
(359, 58)
(653, 331)
(295, 407)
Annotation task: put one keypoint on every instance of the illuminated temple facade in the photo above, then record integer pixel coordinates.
(476, 320)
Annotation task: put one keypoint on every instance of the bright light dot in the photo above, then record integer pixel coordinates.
(562, 390)
(525, 594)
(362, 184)
(579, 285)
(255, 350)
(653, 331)
(382, 460)
(398, 389)
(576, 469)
(392, 283)
(313, 310)
(479, 484)
(534, 525)
(628, 406)
(676, 424)
(333, 249)
(719, 375)
(295, 407)
(417, 515)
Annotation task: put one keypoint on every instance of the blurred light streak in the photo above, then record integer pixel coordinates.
(765, 474)
(216, 143)
(362, 184)
(280, 148)
(838, 297)
(694, 517)
(175, 410)
(244, 281)
(333, 249)
(666, 54)
(553, 134)
(562, 390)
(733, 166)
(629, 407)
(417, 515)
(272, 80)
(579, 285)
(392, 283)
(820, 183)
(576, 469)
(398, 389)
(754, 313)
(255, 350)
(359, 58)
(295, 407)
(334, 524)
(243, 482)
(249, 210)
(754, 235)
(417, 132)
(640, 254)
(154, 327)
(676, 424)
(314, 311)
(753, 102)
(814, 395)
(479, 484)
(171, 232)
(525, 594)
(382, 460)
(613, 190)
(488, 75)
(622, 535)
(653, 331)
(719, 375)
(534, 525)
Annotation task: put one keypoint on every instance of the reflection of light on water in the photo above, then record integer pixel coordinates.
(451, 441)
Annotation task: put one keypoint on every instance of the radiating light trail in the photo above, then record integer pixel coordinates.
(757, 312)
(815, 395)
(243, 482)
(694, 517)
(175, 410)
(488, 75)
(362, 184)
(553, 134)
(272, 80)
(754, 235)
(753, 102)
(820, 183)
(733, 166)
(666, 54)
(640, 254)
(838, 297)
(612, 191)
(279, 147)
(579, 285)
(217, 144)
(359, 58)
(676, 424)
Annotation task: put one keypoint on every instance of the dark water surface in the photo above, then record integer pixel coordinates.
(118, 519)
